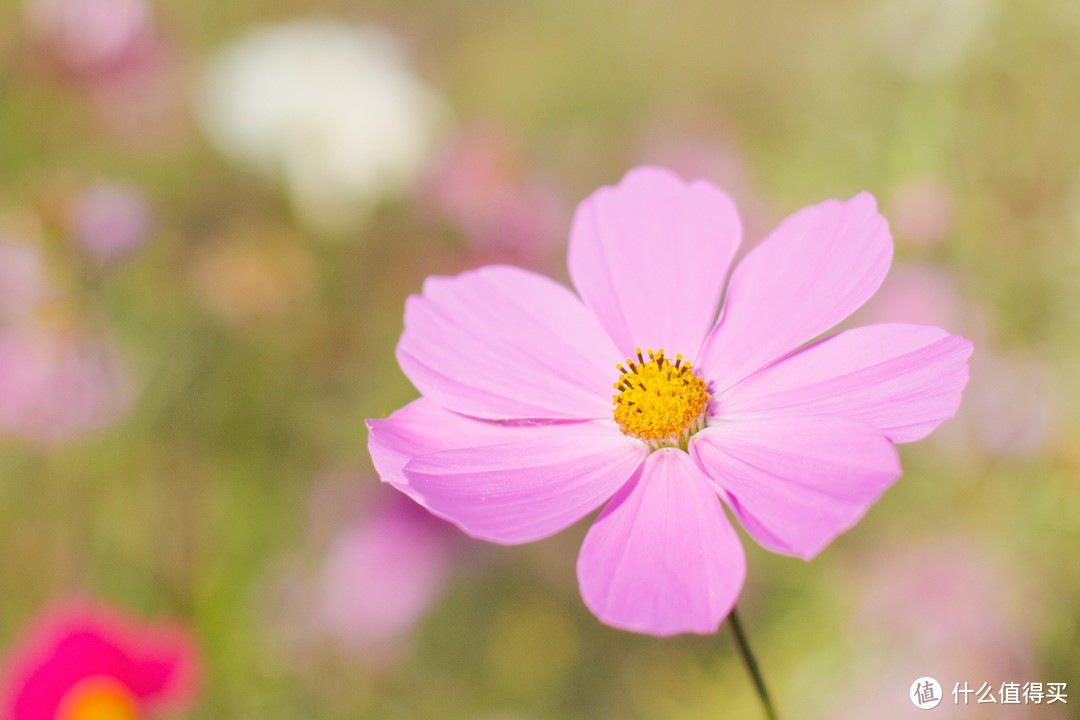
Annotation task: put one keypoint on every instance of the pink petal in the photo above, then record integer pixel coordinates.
(530, 488)
(796, 483)
(500, 342)
(423, 427)
(904, 380)
(650, 255)
(810, 273)
(662, 558)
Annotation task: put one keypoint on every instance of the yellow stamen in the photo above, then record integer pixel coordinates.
(659, 401)
(98, 698)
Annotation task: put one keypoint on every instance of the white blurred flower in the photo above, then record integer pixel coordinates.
(928, 37)
(329, 109)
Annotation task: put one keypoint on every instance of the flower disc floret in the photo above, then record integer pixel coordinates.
(659, 401)
(98, 698)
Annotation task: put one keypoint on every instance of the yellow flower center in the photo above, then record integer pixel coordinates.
(660, 402)
(98, 698)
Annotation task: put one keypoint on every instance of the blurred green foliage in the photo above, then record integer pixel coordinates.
(188, 506)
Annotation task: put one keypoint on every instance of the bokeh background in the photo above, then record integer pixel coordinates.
(211, 214)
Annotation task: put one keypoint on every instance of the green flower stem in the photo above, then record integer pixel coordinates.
(751, 664)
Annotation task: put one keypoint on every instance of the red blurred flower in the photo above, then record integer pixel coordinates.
(86, 663)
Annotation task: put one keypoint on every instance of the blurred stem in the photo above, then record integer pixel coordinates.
(751, 664)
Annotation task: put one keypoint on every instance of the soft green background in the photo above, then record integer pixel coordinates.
(190, 505)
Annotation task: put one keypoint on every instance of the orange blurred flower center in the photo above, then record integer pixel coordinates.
(659, 401)
(98, 698)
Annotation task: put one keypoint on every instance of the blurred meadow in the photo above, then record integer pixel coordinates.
(211, 215)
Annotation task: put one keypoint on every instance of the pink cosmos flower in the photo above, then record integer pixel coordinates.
(516, 435)
(702, 145)
(81, 663)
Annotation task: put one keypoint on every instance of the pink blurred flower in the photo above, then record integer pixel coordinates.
(515, 436)
(942, 598)
(82, 663)
(145, 102)
(921, 294)
(113, 48)
(54, 386)
(370, 570)
(92, 38)
(941, 609)
(1013, 404)
(109, 221)
(920, 211)
(478, 184)
(381, 576)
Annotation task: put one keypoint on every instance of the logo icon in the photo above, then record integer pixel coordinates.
(925, 693)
